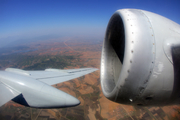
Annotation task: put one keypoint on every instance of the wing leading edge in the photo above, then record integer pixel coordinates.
(7, 93)
(54, 76)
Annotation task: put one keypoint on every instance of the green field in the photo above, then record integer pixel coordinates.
(36, 62)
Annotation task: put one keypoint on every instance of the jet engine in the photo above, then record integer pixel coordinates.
(140, 61)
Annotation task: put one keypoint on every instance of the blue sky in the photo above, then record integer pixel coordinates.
(24, 19)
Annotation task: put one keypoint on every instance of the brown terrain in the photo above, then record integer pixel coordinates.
(94, 106)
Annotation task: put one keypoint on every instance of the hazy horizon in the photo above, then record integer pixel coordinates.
(30, 19)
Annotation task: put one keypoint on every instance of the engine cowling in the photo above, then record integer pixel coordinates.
(140, 59)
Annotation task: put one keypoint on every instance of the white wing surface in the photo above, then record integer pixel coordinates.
(7, 93)
(53, 76)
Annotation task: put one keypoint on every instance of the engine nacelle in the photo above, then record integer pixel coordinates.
(140, 62)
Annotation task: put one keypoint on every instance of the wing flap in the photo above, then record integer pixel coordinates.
(7, 93)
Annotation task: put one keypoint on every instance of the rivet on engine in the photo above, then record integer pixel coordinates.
(128, 71)
(130, 61)
(153, 43)
(132, 51)
(150, 71)
(145, 81)
(152, 35)
(132, 41)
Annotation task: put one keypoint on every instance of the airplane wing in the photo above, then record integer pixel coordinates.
(7, 93)
(53, 76)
